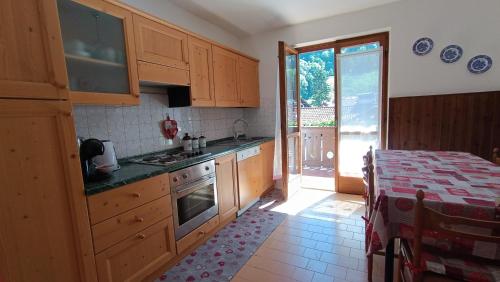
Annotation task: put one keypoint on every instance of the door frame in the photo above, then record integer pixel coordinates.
(337, 45)
(283, 50)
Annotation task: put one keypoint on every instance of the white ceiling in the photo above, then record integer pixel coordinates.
(247, 17)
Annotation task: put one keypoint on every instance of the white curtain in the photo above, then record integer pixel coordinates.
(277, 173)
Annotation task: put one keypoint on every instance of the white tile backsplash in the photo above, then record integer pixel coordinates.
(136, 129)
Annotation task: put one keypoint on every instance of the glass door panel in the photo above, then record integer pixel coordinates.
(360, 86)
(290, 119)
(291, 91)
(95, 49)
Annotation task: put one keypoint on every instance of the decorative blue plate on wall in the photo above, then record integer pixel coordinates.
(479, 64)
(423, 46)
(451, 54)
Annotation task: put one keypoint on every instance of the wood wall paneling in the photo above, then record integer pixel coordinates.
(467, 122)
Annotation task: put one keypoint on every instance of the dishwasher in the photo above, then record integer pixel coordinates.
(249, 177)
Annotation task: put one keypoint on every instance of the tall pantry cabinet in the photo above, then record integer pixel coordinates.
(45, 233)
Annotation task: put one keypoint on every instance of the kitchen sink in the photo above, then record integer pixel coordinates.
(239, 142)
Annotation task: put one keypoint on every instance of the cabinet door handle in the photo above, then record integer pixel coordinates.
(217, 163)
(136, 195)
(141, 236)
(201, 233)
(139, 219)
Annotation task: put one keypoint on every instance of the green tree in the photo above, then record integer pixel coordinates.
(320, 90)
(313, 81)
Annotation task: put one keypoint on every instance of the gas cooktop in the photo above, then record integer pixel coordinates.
(164, 159)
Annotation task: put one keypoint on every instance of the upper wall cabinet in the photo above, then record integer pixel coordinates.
(248, 80)
(225, 77)
(99, 48)
(31, 60)
(160, 44)
(201, 73)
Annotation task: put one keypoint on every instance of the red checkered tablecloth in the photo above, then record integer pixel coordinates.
(454, 183)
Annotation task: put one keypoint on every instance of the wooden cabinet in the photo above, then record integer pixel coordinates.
(249, 180)
(225, 77)
(133, 229)
(201, 73)
(160, 44)
(110, 203)
(45, 232)
(267, 158)
(160, 74)
(138, 256)
(248, 82)
(31, 52)
(236, 79)
(100, 53)
(227, 186)
(124, 225)
(198, 235)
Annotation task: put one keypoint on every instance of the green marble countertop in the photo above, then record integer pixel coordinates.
(131, 172)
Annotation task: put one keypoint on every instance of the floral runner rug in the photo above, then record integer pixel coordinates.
(223, 255)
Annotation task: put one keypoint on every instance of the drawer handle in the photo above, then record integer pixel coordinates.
(217, 163)
(139, 219)
(137, 195)
(201, 233)
(141, 236)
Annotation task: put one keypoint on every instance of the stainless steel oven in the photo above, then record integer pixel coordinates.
(194, 197)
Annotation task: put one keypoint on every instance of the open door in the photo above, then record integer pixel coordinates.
(290, 119)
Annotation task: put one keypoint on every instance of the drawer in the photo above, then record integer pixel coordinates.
(197, 235)
(108, 204)
(138, 256)
(118, 228)
(161, 74)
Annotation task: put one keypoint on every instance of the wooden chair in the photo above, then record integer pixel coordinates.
(414, 256)
(369, 195)
(368, 178)
(495, 158)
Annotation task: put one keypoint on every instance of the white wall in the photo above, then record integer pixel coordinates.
(474, 25)
(178, 16)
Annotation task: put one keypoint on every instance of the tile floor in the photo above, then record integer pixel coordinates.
(322, 239)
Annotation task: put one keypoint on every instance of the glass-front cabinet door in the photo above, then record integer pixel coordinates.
(99, 51)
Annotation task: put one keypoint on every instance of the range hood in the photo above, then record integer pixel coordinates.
(158, 79)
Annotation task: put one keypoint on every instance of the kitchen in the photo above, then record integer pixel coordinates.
(223, 140)
(162, 160)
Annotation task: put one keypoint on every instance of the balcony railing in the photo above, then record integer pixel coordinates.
(318, 146)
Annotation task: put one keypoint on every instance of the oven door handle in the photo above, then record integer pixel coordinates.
(194, 187)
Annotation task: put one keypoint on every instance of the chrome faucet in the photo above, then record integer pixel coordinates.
(239, 130)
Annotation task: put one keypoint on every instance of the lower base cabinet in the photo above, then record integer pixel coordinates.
(138, 256)
(197, 235)
(267, 158)
(227, 186)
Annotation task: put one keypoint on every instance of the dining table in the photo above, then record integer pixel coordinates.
(455, 183)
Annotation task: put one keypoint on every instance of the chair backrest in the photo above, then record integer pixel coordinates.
(429, 219)
(371, 188)
(369, 155)
(368, 176)
(495, 158)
